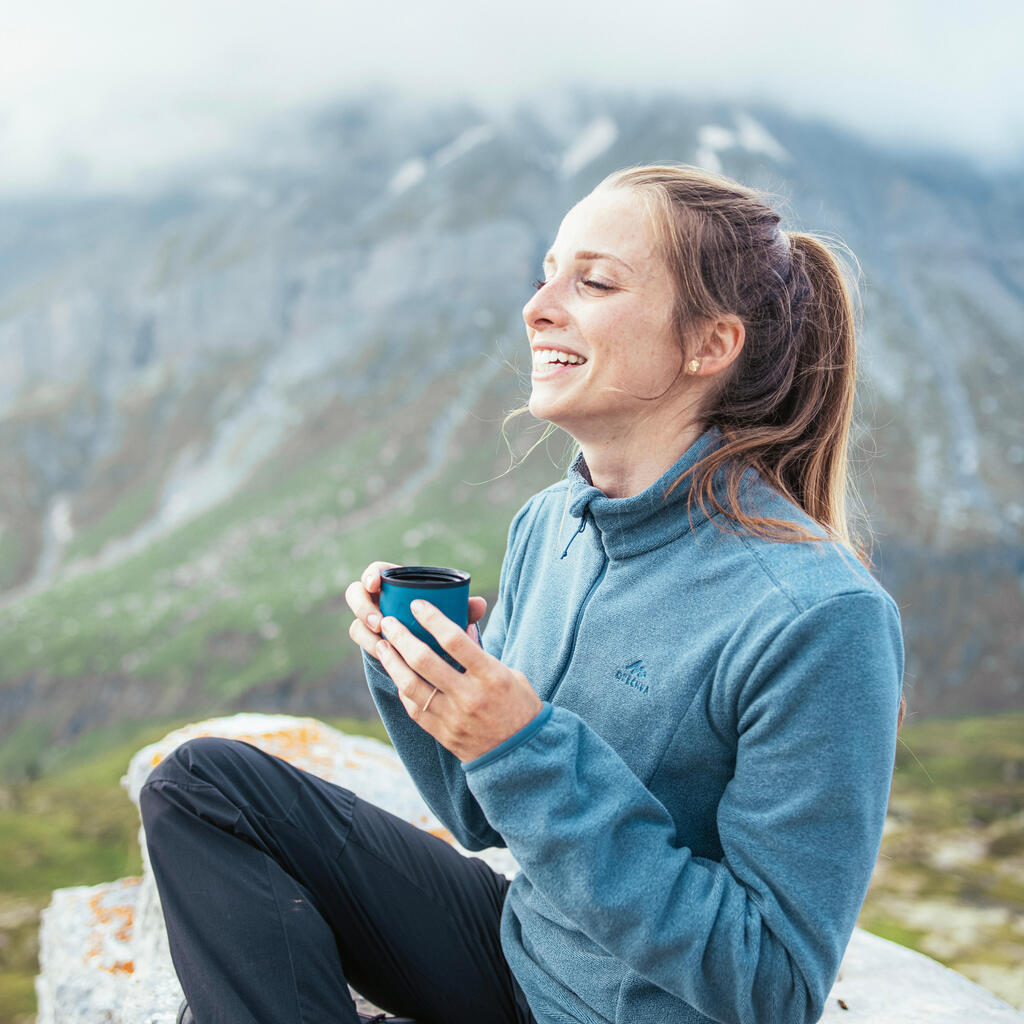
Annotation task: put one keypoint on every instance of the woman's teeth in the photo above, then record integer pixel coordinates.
(544, 356)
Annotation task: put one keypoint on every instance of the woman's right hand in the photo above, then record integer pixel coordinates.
(363, 597)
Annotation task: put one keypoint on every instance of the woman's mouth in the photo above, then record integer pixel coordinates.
(549, 360)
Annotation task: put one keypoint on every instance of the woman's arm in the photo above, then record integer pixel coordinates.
(436, 772)
(758, 935)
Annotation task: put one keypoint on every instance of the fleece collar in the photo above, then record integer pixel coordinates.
(632, 526)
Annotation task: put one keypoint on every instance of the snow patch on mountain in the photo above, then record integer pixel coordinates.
(411, 173)
(598, 136)
(459, 147)
(754, 137)
(747, 133)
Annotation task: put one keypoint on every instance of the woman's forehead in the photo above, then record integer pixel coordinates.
(607, 220)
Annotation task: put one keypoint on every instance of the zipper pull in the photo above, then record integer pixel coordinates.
(583, 526)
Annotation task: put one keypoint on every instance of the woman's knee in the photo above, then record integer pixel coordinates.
(202, 759)
(204, 762)
(212, 770)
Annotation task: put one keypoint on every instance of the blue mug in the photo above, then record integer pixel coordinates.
(446, 589)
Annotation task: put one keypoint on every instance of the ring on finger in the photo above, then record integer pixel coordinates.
(433, 694)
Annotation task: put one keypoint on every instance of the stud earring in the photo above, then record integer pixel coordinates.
(694, 365)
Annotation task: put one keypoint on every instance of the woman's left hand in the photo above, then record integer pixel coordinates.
(472, 711)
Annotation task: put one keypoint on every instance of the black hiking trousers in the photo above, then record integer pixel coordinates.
(278, 889)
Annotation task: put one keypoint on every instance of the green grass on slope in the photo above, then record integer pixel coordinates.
(11, 559)
(950, 878)
(128, 513)
(251, 593)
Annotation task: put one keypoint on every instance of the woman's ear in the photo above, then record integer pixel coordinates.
(721, 345)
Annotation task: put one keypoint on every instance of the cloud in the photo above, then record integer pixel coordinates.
(110, 92)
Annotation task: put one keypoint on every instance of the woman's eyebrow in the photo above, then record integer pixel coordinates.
(591, 254)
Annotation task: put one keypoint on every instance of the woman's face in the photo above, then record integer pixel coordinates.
(605, 354)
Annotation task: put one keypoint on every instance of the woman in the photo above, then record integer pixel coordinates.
(682, 717)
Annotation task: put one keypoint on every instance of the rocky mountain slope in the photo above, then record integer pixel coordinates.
(218, 400)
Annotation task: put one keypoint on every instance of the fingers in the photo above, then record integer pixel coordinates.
(371, 575)
(360, 597)
(420, 699)
(457, 642)
(364, 636)
(477, 609)
(422, 660)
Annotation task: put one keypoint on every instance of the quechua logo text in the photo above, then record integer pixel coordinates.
(634, 676)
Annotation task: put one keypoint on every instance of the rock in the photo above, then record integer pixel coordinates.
(882, 982)
(103, 949)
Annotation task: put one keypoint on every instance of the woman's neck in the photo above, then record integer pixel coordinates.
(622, 467)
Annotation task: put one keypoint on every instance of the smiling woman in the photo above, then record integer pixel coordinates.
(608, 300)
(681, 723)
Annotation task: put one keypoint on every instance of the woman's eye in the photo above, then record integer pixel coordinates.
(588, 282)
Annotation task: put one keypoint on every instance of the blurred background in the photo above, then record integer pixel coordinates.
(261, 272)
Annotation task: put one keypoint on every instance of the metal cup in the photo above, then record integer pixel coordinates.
(446, 589)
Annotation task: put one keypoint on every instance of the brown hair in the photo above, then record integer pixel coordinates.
(785, 405)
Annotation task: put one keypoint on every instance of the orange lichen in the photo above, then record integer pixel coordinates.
(105, 918)
(296, 744)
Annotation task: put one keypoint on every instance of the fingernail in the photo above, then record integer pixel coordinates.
(373, 620)
(382, 648)
(418, 605)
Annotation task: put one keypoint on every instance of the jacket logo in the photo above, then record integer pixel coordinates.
(634, 675)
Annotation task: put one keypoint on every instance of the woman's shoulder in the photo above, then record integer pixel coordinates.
(804, 573)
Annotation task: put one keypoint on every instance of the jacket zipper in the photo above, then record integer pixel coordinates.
(576, 627)
(582, 527)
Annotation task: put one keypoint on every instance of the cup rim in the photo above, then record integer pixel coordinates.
(438, 577)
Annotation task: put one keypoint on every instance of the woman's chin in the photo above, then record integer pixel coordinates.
(542, 407)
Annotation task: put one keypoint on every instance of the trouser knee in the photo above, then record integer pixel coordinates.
(197, 765)
(219, 779)
(193, 760)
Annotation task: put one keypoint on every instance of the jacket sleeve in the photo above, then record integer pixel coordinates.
(758, 935)
(436, 772)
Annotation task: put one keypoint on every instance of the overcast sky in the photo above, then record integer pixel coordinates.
(110, 91)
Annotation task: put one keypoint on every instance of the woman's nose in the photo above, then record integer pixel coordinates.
(545, 309)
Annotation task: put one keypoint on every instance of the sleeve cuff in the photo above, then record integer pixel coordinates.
(512, 742)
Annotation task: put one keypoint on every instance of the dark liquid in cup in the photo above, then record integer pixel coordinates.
(425, 576)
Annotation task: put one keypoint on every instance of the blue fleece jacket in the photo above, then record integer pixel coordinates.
(697, 809)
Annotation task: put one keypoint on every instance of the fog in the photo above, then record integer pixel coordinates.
(106, 93)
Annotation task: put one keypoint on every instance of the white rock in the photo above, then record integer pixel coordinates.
(885, 983)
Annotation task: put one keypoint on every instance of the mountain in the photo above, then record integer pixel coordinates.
(221, 398)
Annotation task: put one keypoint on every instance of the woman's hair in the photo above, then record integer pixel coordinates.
(785, 404)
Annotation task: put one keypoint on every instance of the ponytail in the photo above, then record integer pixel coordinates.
(785, 406)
